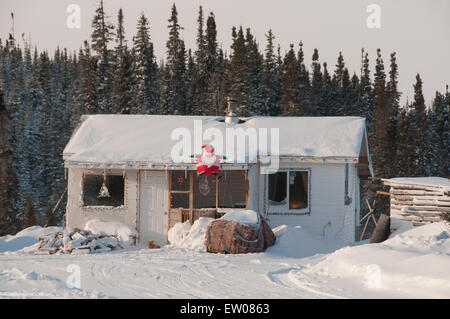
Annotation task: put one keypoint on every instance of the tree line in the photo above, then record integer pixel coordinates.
(43, 96)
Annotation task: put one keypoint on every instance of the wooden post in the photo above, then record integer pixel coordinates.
(368, 218)
(191, 197)
(59, 201)
(138, 213)
(169, 197)
(364, 230)
(217, 192)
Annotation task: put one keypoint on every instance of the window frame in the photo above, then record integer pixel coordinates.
(284, 209)
(103, 207)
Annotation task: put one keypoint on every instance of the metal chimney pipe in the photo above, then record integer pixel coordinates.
(231, 115)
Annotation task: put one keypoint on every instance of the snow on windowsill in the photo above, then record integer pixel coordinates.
(121, 207)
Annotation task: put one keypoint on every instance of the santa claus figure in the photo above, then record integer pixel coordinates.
(208, 163)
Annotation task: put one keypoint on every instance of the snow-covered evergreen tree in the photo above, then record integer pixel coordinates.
(174, 86)
(102, 35)
(271, 81)
(123, 76)
(148, 85)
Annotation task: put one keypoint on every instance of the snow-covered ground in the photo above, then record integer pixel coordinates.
(411, 264)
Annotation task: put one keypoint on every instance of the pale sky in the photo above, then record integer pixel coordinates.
(418, 30)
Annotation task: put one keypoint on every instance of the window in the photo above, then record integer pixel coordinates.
(232, 189)
(179, 189)
(298, 190)
(114, 196)
(226, 190)
(289, 190)
(277, 188)
(204, 191)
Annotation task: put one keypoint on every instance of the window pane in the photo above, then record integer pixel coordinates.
(277, 188)
(179, 201)
(232, 189)
(180, 181)
(298, 190)
(204, 191)
(91, 190)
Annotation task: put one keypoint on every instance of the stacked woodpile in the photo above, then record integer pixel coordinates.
(420, 200)
(76, 241)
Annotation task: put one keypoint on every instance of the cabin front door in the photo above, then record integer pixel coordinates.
(153, 202)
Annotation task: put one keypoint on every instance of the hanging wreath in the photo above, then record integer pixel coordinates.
(203, 185)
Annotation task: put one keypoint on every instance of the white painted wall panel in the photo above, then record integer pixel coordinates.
(77, 215)
(327, 202)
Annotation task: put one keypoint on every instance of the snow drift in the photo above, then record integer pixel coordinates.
(411, 264)
(182, 235)
(25, 238)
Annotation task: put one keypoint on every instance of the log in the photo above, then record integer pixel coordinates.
(413, 209)
(420, 203)
(415, 192)
(412, 186)
(382, 229)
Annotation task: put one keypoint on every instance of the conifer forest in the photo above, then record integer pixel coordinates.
(43, 94)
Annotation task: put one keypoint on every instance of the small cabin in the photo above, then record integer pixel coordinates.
(139, 170)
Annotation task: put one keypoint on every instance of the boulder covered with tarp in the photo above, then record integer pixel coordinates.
(239, 232)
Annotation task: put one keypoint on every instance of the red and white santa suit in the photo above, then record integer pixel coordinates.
(208, 163)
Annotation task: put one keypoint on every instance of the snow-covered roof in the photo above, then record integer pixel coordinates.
(147, 138)
(431, 181)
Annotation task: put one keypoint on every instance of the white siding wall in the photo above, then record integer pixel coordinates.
(253, 195)
(77, 215)
(327, 201)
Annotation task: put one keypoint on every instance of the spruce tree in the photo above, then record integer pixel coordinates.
(304, 103)
(406, 149)
(290, 79)
(420, 122)
(147, 84)
(365, 98)
(393, 97)
(254, 77)
(337, 106)
(30, 214)
(8, 220)
(238, 74)
(441, 143)
(123, 77)
(174, 84)
(327, 92)
(317, 85)
(102, 35)
(271, 80)
(215, 99)
(200, 75)
(87, 93)
(378, 138)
